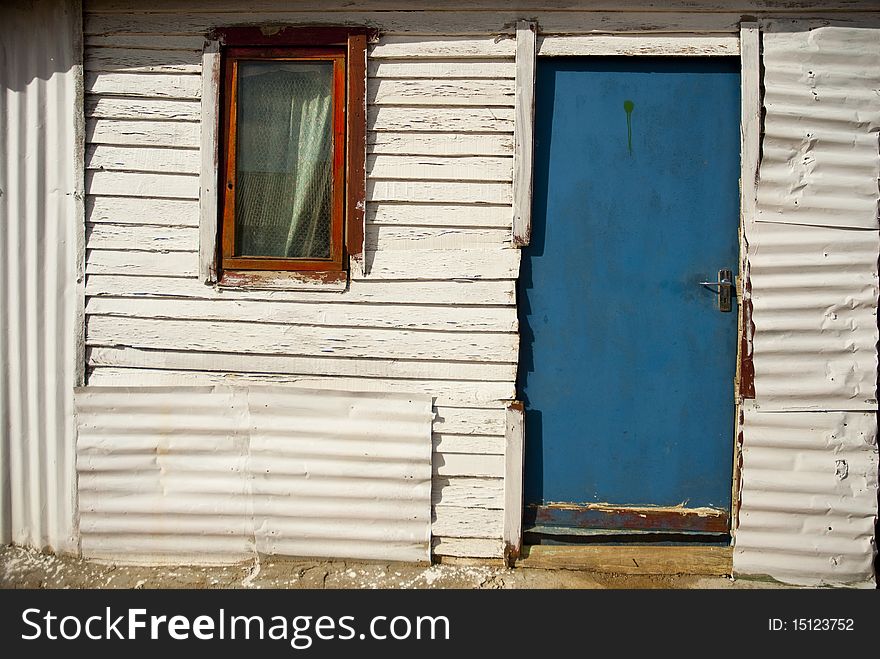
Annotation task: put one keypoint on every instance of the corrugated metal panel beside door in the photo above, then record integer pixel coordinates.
(40, 218)
(809, 477)
(214, 474)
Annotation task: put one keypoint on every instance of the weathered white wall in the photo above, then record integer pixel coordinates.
(809, 472)
(435, 312)
(221, 474)
(40, 212)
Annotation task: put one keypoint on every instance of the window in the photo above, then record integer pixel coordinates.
(291, 149)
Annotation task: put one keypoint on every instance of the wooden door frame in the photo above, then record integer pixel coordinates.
(530, 45)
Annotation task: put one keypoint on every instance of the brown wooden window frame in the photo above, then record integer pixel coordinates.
(346, 48)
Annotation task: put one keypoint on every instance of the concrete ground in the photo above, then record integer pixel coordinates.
(26, 568)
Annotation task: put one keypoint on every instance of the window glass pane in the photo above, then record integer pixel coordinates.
(284, 159)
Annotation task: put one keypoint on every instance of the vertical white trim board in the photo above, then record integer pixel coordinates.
(210, 152)
(523, 132)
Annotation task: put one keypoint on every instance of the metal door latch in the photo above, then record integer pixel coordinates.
(725, 285)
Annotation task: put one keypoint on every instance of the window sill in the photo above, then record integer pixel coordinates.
(284, 281)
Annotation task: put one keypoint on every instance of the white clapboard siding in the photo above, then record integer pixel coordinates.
(467, 547)
(452, 393)
(127, 60)
(421, 47)
(443, 264)
(440, 119)
(174, 264)
(162, 238)
(142, 133)
(442, 215)
(390, 264)
(147, 238)
(440, 144)
(439, 70)
(116, 107)
(236, 336)
(142, 159)
(127, 210)
(156, 85)
(141, 184)
(468, 420)
(468, 492)
(194, 42)
(383, 237)
(459, 292)
(460, 464)
(457, 23)
(480, 93)
(486, 168)
(433, 310)
(461, 522)
(470, 444)
(370, 367)
(340, 314)
(439, 191)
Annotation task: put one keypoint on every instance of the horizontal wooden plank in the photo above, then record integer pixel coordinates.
(131, 60)
(630, 560)
(148, 238)
(390, 47)
(668, 45)
(155, 85)
(463, 292)
(128, 210)
(464, 421)
(791, 6)
(445, 392)
(142, 159)
(257, 338)
(338, 314)
(471, 444)
(384, 237)
(494, 69)
(437, 168)
(442, 264)
(468, 492)
(439, 119)
(390, 264)
(440, 92)
(114, 107)
(193, 43)
(142, 184)
(441, 215)
(437, 144)
(180, 360)
(175, 264)
(142, 133)
(498, 21)
(153, 238)
(467, 547)
(461, 522)
(462, 464)
(464, 192)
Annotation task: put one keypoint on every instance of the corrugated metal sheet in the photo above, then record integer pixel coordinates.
(40, 215)
(809, 497)
(814, 299)
(214, 474)
(809, 477)
(814, 270)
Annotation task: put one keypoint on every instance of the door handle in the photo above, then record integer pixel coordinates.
(725, 285)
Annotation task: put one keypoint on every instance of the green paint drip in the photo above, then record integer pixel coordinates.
(628, 108)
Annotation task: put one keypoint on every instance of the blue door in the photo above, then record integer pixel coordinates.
(628, 360)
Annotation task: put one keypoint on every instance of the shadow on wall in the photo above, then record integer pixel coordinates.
(30, 48)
